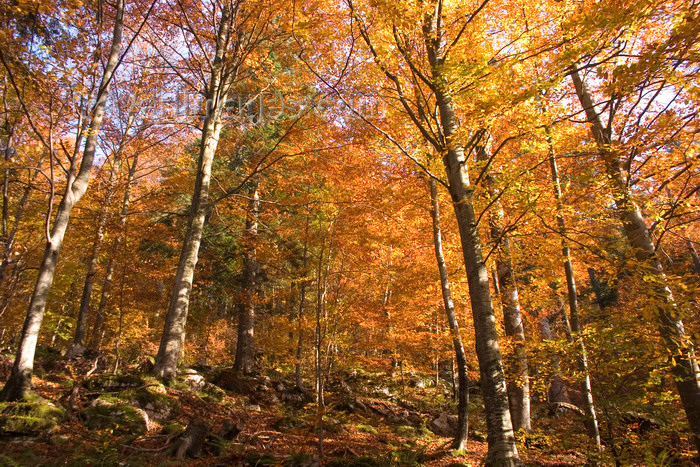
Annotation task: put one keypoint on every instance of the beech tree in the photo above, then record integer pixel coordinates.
(439, 127)
(239, 30)
(77, 181)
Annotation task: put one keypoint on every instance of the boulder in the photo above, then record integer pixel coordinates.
(111, 413)
(445, 425)
(153, 399)
(29, 418)
(193, 379)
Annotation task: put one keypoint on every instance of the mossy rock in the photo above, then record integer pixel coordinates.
(406, 430)
(104, 383)
(290, 423)
(154, 400)
(173, 428)
(213, 393)
(29, 418)
(367, 429)
(113, 413)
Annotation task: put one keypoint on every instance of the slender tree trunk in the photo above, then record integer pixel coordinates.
(502, 450)
(321, 290)
(302, 300)
(176, 317)
(98, 326)
(82, 321)
(19, 381)
(519, 386)
(685, 368)
(245, 345)
(557, 389)
(9, 237)
(693, 254)
(460, 441)
(575, 322)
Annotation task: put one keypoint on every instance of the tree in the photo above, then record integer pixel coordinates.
(519, 386)
(76, 184)
(443, 133)
(245, 345)
(239, 30)
(685, 368)
(460, 441)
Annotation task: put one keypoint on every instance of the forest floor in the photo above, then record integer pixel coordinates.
(370, 419)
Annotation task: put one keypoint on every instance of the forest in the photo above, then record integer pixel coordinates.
(349, 233)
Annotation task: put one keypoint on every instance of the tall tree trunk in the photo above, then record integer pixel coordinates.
(19, 381)
(302, 300)
(557, 389)
(460, 441)
(519, 385)
(685, 368)
(501, 439)
(245, 345)
(176, 317)
(693, 254)
(82, 321)
(575, 321)
(98, 325)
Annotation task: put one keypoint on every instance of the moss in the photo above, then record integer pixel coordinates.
(29, 418)
(367, 429)
(114, 382)
(363, 461)
(405, 430)
(214, 392)
(289, 423)
(152, 398)
(112, 413)
(173, 428)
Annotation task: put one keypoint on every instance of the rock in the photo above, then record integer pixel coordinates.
(113, 413)
(111, 383)
(254, 408)
(29, 418)
(417, 383)
(75, 351)
(289, 423)
(158, 405)
(231, 429)
(444, 425)
(280, 387)
(195, 381)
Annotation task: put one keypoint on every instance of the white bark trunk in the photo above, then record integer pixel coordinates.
(19, 381)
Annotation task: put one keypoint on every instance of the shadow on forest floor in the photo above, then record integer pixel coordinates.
(210, 416)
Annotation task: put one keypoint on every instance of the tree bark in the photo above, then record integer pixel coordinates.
(82, 321)
(460, 441)
(98, 325)
(519, 385)
(502, 450)
(302, 300)
(176, 317)
(685, 368)
(245, 345)
(694, 254)
(575, 321)
(19, 381)
(557, 389)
